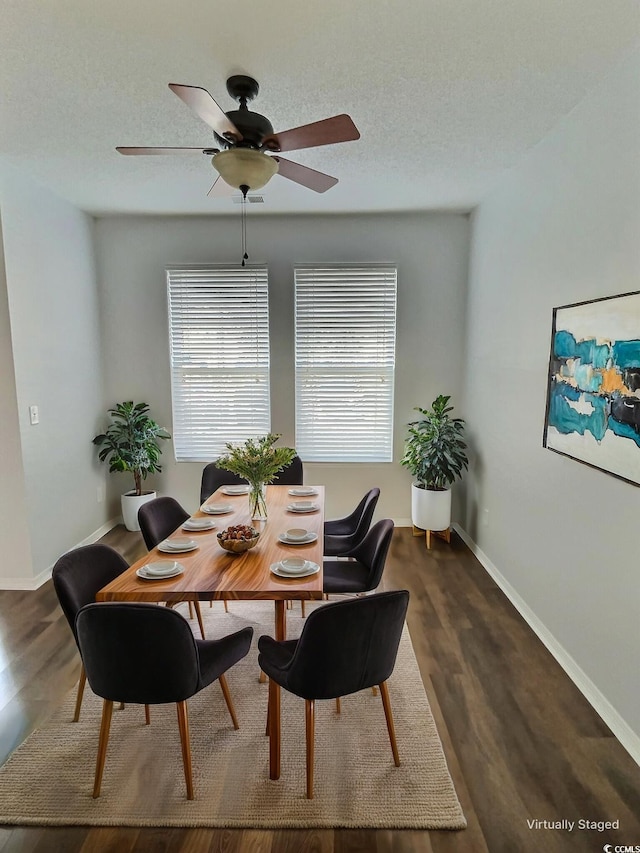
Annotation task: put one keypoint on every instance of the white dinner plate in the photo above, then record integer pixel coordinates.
(146, 575)
(235, 490)
(311, 569)
(310, 508)
(216, 509)
(308, 539)
(302, 491)
(161, 567)
(177, 546)
(199, 524)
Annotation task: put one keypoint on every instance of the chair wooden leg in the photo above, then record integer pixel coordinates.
(309, 715)
(302, 607)
(384, 692)
(262, 678)
(122, 706)
(374, 690)
(80, 694)
(190, 610)
(227, 698)
(107, 710)
(226, 606)
(147, 716)
(183, 723)
(338, 709)
(196, 604)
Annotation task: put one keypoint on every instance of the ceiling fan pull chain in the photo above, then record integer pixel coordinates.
(244, 189)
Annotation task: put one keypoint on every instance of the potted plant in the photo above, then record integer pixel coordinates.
(258, 461)
(435, 453)
(130, 443)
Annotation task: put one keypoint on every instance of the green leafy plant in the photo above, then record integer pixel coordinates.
(435, 450)
(257, 460)
(130, 442)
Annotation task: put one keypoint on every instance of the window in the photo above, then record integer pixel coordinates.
(219, 344)
(345, 360)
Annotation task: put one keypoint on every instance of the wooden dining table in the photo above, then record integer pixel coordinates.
(212, 574)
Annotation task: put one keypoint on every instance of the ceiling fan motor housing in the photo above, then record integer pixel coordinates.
(253, 127)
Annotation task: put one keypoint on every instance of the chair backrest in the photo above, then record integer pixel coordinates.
(366, 513)
(292, 475)
(158, 518)
(372, 551)
(214, 477)
(79, 574)
(357, 521)
(138, 653)
(348, 646)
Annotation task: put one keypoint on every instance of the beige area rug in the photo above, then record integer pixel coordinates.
(48, 780)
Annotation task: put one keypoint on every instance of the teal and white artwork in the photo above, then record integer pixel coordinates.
(593, 401)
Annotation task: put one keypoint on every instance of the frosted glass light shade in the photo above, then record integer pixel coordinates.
(245, 167)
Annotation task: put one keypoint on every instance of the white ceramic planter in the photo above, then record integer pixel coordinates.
(131, 503)
(430, 510)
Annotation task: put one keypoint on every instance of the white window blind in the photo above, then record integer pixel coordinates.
(219, 342)
(345, 360)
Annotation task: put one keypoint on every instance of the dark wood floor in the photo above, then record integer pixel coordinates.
(521, 741)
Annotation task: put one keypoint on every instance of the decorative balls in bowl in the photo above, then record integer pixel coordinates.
(238, 538)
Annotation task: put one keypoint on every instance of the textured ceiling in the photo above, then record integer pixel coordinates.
(447, 94)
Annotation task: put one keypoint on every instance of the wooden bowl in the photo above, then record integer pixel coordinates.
(237, 546)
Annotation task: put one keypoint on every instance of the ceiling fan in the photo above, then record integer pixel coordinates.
(246, 153)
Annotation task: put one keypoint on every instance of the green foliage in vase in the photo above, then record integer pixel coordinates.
(257, 460)
(130, 442)
(435, 452)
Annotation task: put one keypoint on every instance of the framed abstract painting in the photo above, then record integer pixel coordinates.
(593, 397)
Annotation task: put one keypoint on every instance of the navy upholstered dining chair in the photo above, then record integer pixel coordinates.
(344, 647)
(143, 654)
(363, 573)
(77, 576)
(158, 519)
(342, 535)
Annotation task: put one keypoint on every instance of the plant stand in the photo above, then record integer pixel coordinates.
(441, 534)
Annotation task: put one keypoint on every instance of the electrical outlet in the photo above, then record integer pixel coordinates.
(34, 415)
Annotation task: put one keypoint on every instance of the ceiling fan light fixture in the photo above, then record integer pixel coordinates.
(245, 167)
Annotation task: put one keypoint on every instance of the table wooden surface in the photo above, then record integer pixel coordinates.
(211, 573)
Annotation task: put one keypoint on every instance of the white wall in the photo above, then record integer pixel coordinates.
(53, 310)
(562, 227)
(14, 531)
(431, 252)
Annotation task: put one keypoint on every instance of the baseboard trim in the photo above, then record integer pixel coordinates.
(620, 728)
(43, 577)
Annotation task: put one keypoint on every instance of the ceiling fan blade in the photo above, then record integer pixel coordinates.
(326, 132)
(204, 106)
(317, 181)
(128, 150)
(220, 189)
